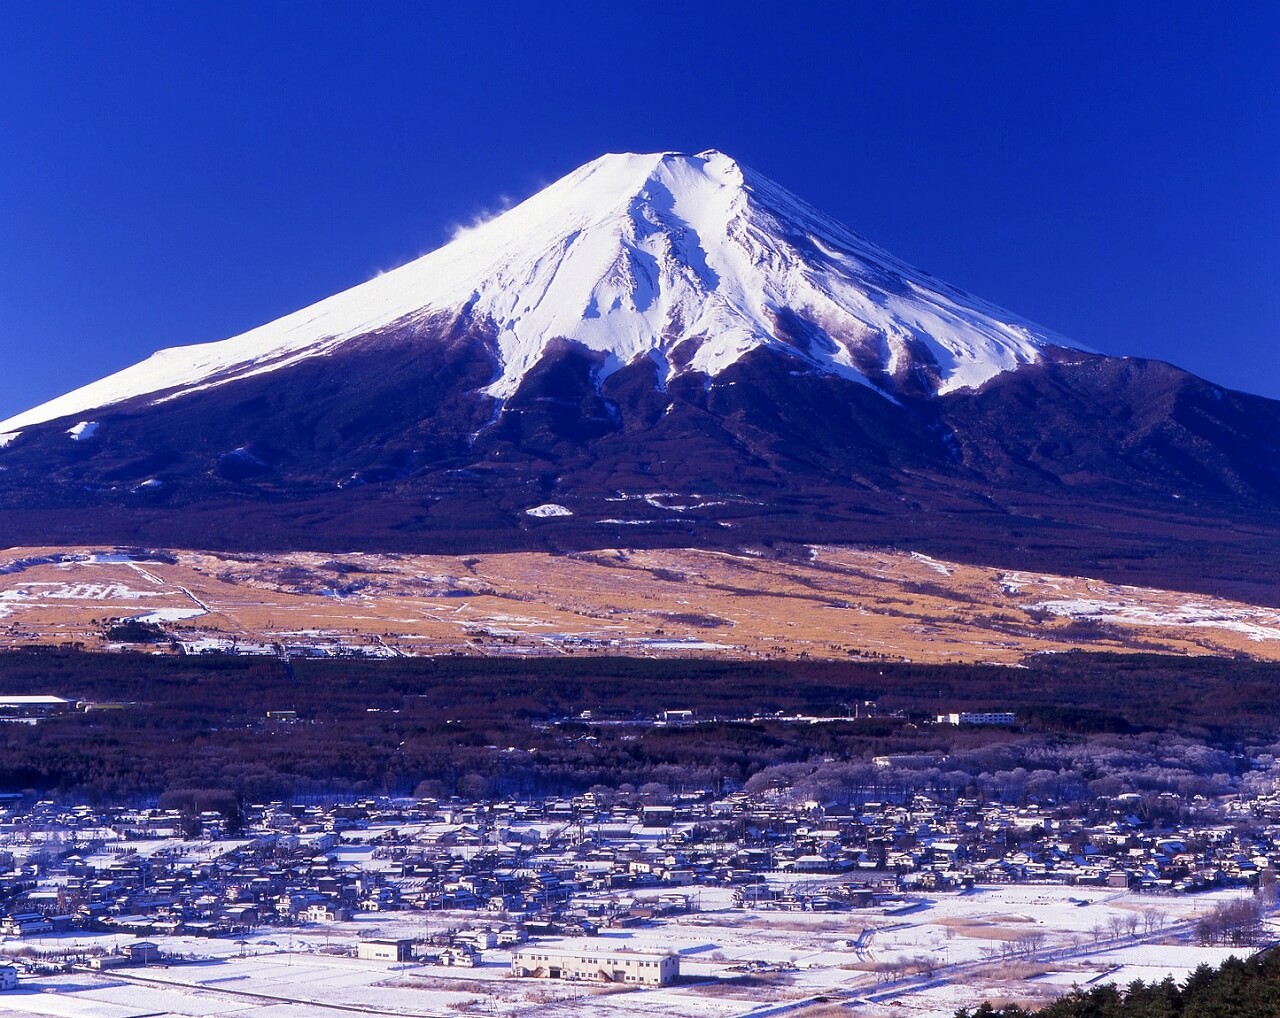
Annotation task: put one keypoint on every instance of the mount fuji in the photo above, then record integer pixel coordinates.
(661, 349)
(691, 261)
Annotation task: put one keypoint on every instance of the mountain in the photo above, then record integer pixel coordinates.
(691, 261)
(661, 349)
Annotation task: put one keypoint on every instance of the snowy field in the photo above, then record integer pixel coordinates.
(922, 957)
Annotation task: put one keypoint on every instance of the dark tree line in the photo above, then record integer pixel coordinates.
(1237, 989)
(495, 727)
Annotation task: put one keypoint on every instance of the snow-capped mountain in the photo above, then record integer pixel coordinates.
(692, 261)
(662, 349)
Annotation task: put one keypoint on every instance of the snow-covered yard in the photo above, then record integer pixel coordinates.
(733, 962)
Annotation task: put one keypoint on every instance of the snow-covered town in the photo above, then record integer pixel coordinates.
(622, 902)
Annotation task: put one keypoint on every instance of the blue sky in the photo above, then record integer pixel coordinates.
(176, 173)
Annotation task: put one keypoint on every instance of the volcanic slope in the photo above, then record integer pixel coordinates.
(798, 602)
(674, 348)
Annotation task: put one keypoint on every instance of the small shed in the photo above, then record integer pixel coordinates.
(385, 950)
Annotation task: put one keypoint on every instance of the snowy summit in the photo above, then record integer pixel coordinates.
(689, 260)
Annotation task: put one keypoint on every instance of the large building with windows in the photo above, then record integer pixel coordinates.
(597, 964)
(977, 718)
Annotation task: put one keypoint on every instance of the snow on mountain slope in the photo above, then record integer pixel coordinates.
(635, 255)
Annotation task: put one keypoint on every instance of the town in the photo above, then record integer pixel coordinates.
(199, 834)
(457, 905)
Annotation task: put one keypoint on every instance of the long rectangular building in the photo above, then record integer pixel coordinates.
(603, 964)
(977, 718)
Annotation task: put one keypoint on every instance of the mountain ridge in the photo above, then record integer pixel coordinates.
(426, 432)
(689, 260)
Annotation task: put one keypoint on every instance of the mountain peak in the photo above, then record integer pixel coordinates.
(670, 350)
(689, 260)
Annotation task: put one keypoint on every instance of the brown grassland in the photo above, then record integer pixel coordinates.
(802, 601)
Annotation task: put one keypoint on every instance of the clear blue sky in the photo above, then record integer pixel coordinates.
(176, 172)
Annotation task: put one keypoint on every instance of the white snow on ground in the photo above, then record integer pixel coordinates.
(549, 509)
(631, 255)
(680, 644)
(1255, 623)
(932, 563)
(656, 500)
(82, 431)
(8, 437)
(223, 645)
(170, 615)
(75, 592)
(279, 973)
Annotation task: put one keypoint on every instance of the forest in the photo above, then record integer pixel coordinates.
(264, 728)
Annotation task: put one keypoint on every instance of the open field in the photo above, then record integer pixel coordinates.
(802, 601)
(734, 963)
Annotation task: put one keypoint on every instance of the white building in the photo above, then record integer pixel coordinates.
(480, 940)
(8, 977)
(595, 964)
(463, 954)
(974, 718)
(25, 924)
(385, 950)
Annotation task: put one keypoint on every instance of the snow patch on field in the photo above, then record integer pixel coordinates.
(1255, 623)
(547, 510)
(656, 500)
(225, 645)
(932, 563)
(675, 644)
(75, 592)
(8, 437)
(169, 615)
(83, 431)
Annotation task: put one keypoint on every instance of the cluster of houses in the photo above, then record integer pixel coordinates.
(510, 874)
